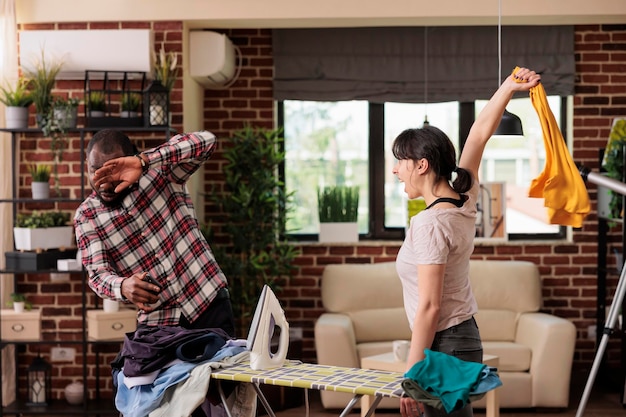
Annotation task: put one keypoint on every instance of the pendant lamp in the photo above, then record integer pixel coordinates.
(510, 124)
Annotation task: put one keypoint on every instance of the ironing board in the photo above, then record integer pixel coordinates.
(357, 381)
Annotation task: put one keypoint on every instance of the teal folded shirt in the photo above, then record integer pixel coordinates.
(447, 377)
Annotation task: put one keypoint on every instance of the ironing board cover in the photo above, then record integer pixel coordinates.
(319, 377)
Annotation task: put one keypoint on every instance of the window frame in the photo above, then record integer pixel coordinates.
(377, 229)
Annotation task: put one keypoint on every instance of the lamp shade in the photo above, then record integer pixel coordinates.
(510, 125)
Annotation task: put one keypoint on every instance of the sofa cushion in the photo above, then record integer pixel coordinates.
(382, 324)
(513, 357)
(350, 287)
(497, 325)
(520, 292)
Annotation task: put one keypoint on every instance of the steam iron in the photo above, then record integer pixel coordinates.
(267, 316)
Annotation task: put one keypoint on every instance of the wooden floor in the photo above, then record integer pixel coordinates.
(604, 401)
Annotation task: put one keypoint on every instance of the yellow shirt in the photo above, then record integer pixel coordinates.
(560, 184)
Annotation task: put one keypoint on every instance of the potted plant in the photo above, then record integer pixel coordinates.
(40, 184)
(63, 117)
(16, 99)
(254, 205)
(338, 208)
(165, 68)
(96, 104)
(131, 103)
(42, 76)
(43, 230)
(610, 202)
(65, 111)
(19, 302)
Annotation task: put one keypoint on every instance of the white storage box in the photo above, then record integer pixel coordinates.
(44, 238)
(102, 325)
(20, 326)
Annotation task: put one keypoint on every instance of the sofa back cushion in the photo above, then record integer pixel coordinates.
(355, 287)
(504, 290)
(371, 295)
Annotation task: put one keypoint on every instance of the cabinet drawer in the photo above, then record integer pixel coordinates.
(110, 326)
(21, 326)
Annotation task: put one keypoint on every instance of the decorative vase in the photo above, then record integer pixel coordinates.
(16, 117)
(74, 393)
(40, 190)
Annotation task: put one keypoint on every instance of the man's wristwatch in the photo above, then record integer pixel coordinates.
(144, 164)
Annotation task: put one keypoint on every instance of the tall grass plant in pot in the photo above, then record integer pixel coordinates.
(40, 181)
(338, 208)
(42, 75)
(16, 99)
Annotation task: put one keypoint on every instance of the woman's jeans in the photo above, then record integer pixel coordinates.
(463, 342)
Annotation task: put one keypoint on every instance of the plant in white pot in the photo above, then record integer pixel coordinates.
(338, 208)
(131, 103)
(43, 230)
(65, 111)
(96, 104)
(17, 99)
(40, 184)
(19, 302)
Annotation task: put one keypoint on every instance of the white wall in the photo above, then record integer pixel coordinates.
(325, 13)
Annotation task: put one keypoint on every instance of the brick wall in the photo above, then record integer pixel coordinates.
(568, 270)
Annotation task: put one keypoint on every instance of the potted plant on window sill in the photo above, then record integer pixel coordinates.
(338, 208)
(16, 99)
(43, 230)
(40, 184)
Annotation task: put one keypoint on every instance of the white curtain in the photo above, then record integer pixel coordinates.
(9, 73)
(8, 76)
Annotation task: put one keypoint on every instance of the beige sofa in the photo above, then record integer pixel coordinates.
(364, 314)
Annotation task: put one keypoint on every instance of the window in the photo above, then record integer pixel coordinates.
(349, 142)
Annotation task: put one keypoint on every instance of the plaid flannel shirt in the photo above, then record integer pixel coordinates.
(154, 230)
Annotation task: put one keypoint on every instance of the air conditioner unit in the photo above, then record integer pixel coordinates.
(211, 58)
(80, 50)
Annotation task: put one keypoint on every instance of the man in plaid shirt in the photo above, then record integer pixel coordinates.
(139, 223)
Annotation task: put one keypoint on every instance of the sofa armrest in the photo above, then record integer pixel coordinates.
(335, 341)
(552, 341)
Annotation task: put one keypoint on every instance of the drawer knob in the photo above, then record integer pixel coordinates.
(17, 327)
(117, 326)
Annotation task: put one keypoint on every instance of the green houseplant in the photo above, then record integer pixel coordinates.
(43, 230)
(131, 103)
(40, 184)
(19, 302)
(613, 165)
(42, 76)
(253, 215)
(16, 99)
(96, 104)
(338, 208)
(62, 117)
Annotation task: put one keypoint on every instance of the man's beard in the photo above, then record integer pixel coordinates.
(118, 199)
